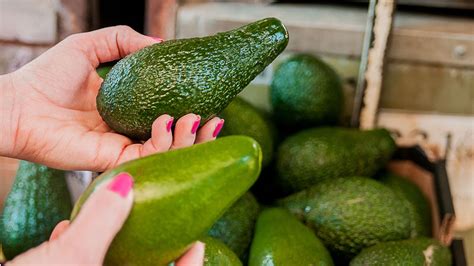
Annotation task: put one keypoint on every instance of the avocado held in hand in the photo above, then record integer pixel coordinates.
(176, 202)
(198, 75)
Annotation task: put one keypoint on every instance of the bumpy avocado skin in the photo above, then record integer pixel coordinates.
(235, 228)
(306, 92)
(197, 75)
(38, 201)
(351, 213)
(218, 254)
(416, 201)
(280, 239)
(417, 251)
(317, 154)
(242, 118)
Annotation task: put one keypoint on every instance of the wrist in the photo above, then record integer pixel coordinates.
(9, 115)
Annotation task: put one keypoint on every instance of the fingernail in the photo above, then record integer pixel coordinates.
(169, 124)
(196, 125)
(122, 184)
(218, 128)
(157, 39)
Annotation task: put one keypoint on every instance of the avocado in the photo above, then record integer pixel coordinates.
(39, 199)
(218, 254)
(280, 239)
(416, 202)
(178, 197)
(306, 92)
(418, 251)
(314, 155)
(351, 213)
(103, 71)
(198, 75)
(235, 227)
(241, 118)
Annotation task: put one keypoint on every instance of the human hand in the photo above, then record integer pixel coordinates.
(87, 239)
(49, 113)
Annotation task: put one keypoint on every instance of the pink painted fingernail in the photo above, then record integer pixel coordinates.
(157, 39)
(196, 125)
(169, 124)
(122, 184)
(218, 128)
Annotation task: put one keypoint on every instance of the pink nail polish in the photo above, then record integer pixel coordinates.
(169, 124)
(218, 128)
(157, 39)
(122, 184)
(196, 125)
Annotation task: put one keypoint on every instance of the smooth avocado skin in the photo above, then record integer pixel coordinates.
(414, 252)
(242, 118)
(217, 253)
(280, 239)
(39, 199)
(178, 197)
(235, 228)
(317, 154)
(306, 92)
(351, 213)
(197, 75)
(416, 201)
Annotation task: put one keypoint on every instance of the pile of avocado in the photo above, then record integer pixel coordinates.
(323, 196)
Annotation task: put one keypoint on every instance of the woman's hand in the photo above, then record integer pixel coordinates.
(49, 115)
(87, 239)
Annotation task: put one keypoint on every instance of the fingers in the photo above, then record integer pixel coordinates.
(185, 131)
(100, 219)
(59, 229)
(161, 136)
(194, 256)
(111, 43)
(210, 130)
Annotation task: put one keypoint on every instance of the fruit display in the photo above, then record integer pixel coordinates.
(328, 199)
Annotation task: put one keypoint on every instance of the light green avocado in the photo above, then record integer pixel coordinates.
(280, 239)
(218, 254)
(178, 196)
(197, 75)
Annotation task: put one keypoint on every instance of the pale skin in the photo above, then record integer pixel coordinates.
(48, 115)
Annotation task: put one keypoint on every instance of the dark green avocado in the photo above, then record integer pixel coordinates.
(317, 154)
(351, 213)
(197, 75)
(306, 92)
(38, 201)
(418, 251)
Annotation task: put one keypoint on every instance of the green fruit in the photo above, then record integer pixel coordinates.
(103, 71)
(178, 197)
(351, 213)
(235, 227)
(306, 92)
(314, 155)
(416, 202)
(241, 118)
(418, 251)
(38, 201)
(198, 75)
(218, 254)
(280, 239)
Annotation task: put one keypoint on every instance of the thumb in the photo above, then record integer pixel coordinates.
(101, 218)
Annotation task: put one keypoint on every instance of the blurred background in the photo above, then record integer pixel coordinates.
(426, 90)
